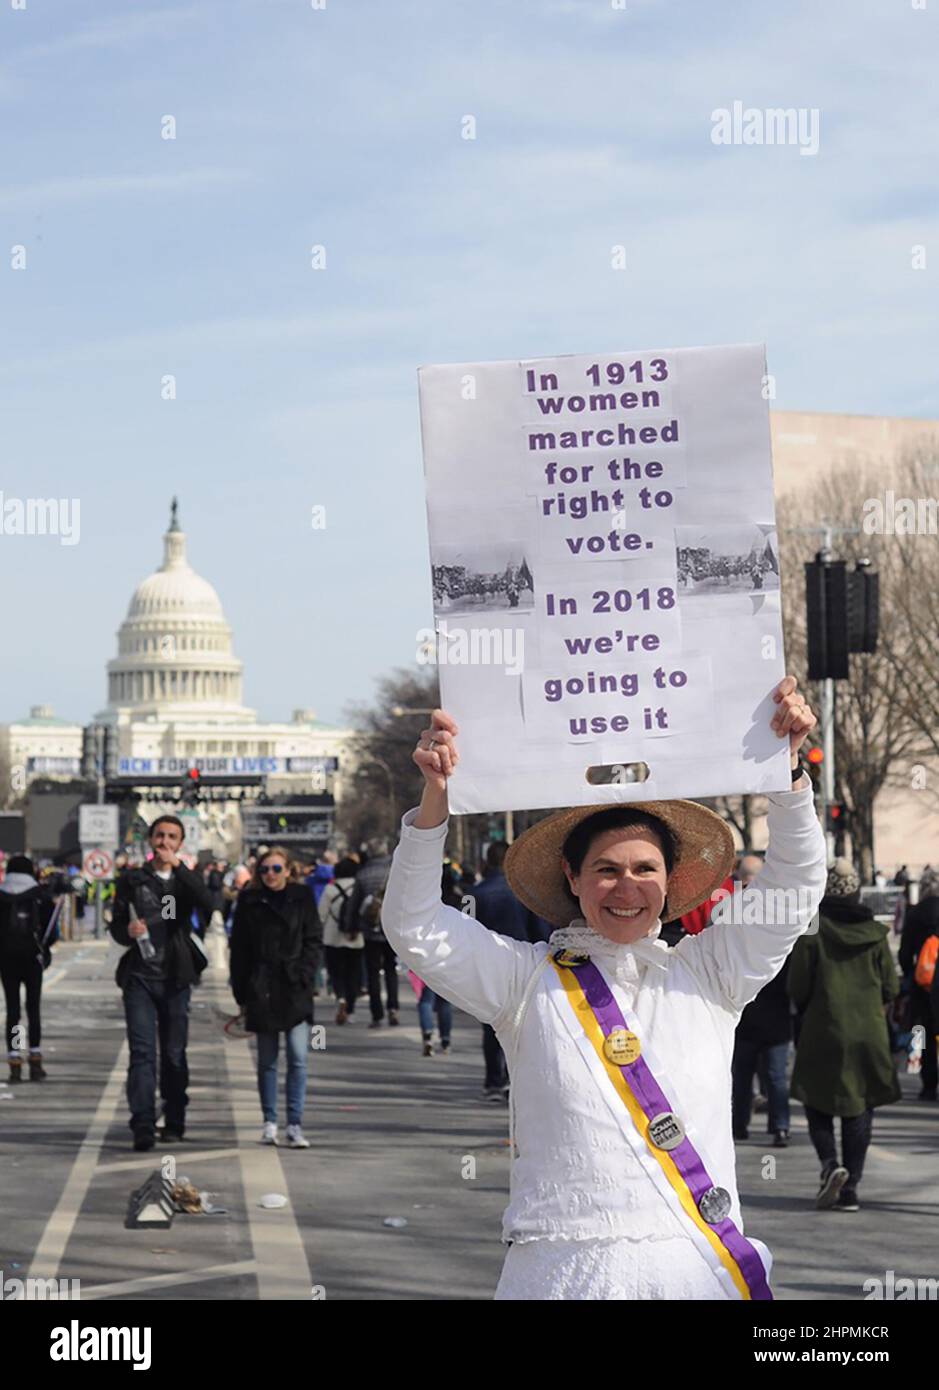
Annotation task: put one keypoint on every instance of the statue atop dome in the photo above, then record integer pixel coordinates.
(174, 516)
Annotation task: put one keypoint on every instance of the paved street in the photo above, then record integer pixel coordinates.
(391, 1133)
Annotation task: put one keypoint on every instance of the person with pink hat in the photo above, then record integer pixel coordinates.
(623, 1183)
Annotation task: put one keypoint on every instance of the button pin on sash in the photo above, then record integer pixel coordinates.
(621, 1047)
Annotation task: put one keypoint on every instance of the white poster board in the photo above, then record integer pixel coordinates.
(606, 576)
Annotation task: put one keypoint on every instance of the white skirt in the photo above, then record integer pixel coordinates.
(611, 1269)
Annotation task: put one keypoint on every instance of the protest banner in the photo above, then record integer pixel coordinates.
(605, 572)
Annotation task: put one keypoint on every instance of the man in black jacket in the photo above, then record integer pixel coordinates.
(921, 922)
(497, 907)
(25, 913)
(152, 916)
(368, 892)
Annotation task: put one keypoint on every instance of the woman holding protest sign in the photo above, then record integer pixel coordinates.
(623, 1183)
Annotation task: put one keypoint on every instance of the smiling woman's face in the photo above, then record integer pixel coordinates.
(621, 884)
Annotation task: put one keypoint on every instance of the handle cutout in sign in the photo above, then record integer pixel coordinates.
(616, 774)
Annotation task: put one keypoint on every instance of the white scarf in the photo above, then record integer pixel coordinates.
(625, 961)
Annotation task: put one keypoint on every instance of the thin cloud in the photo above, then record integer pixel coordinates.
(78, 189)
(228, 335)
(123, 31)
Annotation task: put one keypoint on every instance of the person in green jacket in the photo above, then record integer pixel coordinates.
(840, 979)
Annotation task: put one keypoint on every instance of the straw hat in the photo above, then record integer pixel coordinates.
(704, 856)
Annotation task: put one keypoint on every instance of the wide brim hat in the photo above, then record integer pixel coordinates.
(704, 856)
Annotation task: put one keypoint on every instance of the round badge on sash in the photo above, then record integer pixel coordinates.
(715, 1204)
(621, 1047)
(666, 1131)
(571, 958)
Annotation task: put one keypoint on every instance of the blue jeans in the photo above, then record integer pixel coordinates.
(428, 1002)
(152, 1008)
(298, 1042)
(747, 1054)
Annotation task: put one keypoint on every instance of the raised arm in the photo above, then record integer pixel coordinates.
(753, 930)
(474, 968)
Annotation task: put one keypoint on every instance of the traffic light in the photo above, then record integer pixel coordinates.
(842, 612)
(836, 818)
(815, 757)
(826, 598)
(99, 752)
(191, 786)
(863, 608)
(89, 754)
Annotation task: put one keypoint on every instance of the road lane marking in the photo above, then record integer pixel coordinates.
(59, 1227)
(282, 1269)
(181, 1157)
(879, 1152)
(162, 1281)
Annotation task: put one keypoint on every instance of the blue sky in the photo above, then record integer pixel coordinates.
(342, 127)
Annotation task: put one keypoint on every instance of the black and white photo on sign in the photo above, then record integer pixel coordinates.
(736, 559)
(482, 576)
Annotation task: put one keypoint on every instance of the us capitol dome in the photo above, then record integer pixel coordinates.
(175, 697)
(175, 656)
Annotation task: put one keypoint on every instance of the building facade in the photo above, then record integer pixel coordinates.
(175, 700)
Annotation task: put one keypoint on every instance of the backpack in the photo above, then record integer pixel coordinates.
(23, 925)
(344, 920)
(24, 934)
(925, 971)
(370, 913)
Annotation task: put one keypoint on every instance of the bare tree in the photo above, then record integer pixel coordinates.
(384, 782)
(876, 739)
(910, 630)
(384, 774)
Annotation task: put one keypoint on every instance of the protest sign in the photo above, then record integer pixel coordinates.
(605, 572)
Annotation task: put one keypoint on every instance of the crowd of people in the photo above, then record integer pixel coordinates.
(840, 1004)
(843, 1005)
(297, 932)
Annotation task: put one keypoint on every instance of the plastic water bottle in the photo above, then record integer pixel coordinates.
(147, 948)
(145, 945)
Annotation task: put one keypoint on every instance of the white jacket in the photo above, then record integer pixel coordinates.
(578, 1175)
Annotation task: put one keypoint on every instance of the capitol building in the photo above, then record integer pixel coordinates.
(175, 699)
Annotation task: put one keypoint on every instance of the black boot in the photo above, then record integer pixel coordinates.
(37, 1071)
(16, 1070)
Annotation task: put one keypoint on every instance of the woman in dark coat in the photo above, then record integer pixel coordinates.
(275, 953)
(921, 922)
(840, 979)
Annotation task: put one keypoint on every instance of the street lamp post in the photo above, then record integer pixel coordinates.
(380, 762)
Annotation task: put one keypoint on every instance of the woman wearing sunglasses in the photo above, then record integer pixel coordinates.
(276, 942)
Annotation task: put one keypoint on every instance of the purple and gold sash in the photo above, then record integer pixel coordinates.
(599, 1015)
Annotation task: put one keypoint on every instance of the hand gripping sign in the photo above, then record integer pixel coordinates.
(605, 574)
